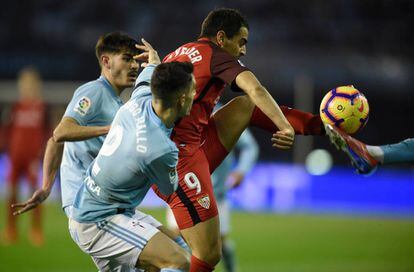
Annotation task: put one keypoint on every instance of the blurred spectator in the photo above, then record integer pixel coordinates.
(24, 142)
(228, 176)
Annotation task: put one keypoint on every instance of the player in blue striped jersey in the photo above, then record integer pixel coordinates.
(83, 128)
(136, 154)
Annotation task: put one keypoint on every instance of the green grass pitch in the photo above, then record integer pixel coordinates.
(265, 242)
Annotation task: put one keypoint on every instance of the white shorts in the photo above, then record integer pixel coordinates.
(140, 216)
(224, 217)
(170, 219)
(114, 243)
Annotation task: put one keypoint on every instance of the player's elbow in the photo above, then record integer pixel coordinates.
(58, 135)
(256, 91)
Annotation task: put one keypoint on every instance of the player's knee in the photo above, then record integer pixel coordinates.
(244, 103)
(215, 257)
(180, 259)
(211, 256)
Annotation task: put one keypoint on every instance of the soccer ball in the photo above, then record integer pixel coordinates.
(346, 108)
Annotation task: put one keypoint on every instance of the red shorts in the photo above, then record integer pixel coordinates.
(193, 201)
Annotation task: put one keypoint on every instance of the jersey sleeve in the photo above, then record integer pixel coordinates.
(163, 172)
(226, 67)
(249, 151)
(84, 105)
(143, 82)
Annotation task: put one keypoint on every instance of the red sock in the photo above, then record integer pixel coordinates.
(198, 265)
(304, 123)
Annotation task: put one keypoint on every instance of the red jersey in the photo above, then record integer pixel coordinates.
(214, 68)
(27, 128)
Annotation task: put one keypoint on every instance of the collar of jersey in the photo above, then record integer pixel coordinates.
(205, 40)
(154, 117)
(109, 87)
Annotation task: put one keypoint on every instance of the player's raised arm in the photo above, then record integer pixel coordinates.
(248, 82)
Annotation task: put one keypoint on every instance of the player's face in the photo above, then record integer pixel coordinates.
(123, 70)
(29, 85)
(236, 46)
(188, 98)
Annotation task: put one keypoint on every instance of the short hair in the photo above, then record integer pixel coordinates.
(115, 43)
(228, 20)
(170, 79)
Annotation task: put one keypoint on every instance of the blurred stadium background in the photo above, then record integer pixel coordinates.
(290, 215)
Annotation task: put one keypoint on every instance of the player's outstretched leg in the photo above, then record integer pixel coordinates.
(402, 152)
(356, 150)
(233, 118)
(304, 123)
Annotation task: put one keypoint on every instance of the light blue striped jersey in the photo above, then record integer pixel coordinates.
(136, 154)
(93, 104)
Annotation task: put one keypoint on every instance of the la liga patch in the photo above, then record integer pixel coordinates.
(83, 106)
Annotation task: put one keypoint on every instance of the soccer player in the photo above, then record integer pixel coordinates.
(204, 140)
(137, 153)
(365, 158)
(81, 132)
(83, 128)
(25, 145)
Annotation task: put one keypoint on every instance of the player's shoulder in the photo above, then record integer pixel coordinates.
(92, 88)
(196, 52)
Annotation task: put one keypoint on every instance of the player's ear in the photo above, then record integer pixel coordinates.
(220, 36)
(106, 61)
(181, 100)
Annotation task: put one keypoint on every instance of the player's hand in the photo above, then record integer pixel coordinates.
(106, 129)
(149, 56)
(283, 139)
(235, 179)
(37, 198)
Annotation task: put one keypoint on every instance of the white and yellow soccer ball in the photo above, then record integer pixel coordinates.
(346, 108)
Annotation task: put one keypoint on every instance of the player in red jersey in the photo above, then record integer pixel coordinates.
(25, 142)
(204, 139)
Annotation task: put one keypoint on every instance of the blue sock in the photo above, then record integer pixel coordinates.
(402, 152)
(180, 241)
(228, 258)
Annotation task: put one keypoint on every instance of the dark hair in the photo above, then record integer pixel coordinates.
(170, 79)
(115, 43)
(228, 20)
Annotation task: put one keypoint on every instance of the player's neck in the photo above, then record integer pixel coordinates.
(118, 90)
(167, 115)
